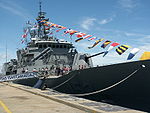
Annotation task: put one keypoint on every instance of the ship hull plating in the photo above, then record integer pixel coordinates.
(125, 84)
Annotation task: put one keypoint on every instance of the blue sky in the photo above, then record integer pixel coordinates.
(123, 21)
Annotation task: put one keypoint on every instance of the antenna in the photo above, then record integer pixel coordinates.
(6, 51)
(41, 14)
(40, 5)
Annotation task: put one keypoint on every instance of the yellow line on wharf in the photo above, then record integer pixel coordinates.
(5, 107)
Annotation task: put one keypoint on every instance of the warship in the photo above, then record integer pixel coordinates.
(61, 67)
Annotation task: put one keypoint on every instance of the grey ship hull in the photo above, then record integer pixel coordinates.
(134, 92)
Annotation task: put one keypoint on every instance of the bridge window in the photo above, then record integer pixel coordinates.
(53, 46)
(57, 46)
(40, 46)
(45, 46)
(49, 45)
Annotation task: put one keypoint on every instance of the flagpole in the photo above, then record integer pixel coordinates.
(6, 51)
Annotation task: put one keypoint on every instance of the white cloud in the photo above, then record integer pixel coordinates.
(134, 34)
(2, 60)
(144, 40)
(147, 37)
(87, 23)
(145, 43)
(0, 69)
(128, 4)
(82, 46)
(14, 8)
(145, 47)
(110, 58)
(2, 56)
(105, 21)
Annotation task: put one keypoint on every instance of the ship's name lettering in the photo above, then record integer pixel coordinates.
(16, 77)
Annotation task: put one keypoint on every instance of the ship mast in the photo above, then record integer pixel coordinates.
(40, 5)
(41, 17)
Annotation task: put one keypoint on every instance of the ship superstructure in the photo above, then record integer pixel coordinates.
(45, 51)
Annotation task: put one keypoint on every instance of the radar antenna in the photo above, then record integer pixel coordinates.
(41, 14)
(41, 17)
(40, 6)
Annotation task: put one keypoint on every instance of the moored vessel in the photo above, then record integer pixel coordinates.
(126, 84)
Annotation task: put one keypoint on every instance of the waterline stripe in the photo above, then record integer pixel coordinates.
(5, 107)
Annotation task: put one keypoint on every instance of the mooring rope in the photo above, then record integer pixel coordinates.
(107, 88)
(64, 81)
(102, 90)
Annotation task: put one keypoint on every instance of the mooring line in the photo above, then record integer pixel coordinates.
(5, 107)
(107, 88)
(64, 82)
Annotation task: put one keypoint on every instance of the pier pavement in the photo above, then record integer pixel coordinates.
(13, 100)
(16, 98)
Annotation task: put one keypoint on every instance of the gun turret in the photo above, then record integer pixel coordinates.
(95, 55)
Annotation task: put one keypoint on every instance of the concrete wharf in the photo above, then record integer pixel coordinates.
(15, 98)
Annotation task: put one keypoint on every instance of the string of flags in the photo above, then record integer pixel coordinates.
(83, 36)
(110, 48)
(24, 36)
(121, 49)
(96, 43)
(107, 42)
